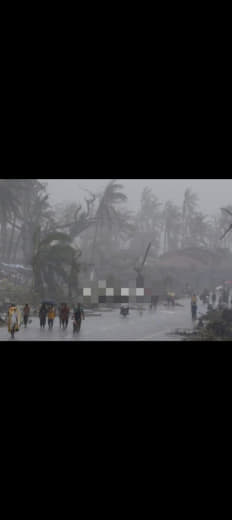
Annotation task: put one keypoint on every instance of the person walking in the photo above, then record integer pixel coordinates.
(42, 316)
(194, 306)
(51, 317)
(66, 315)
(60, 309)
(78, 315)
(26, 314)
(13, 323)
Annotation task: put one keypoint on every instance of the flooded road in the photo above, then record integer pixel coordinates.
(147, 325)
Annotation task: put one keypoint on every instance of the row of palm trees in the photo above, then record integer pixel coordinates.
(59, 244)
(28, 235)
(117, 237)
(23, 203)
(33, 234)
(173, 227)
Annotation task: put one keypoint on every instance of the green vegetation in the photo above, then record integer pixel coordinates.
(216, 325)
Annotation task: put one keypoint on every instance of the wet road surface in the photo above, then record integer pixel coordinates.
(148, 325)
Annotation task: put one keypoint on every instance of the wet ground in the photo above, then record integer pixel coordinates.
(147, 325)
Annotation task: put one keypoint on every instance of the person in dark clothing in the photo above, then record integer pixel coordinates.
(26, 314)
(66, 314)
(154, 301)
(78, 315)
(42, 315)
(194, 306)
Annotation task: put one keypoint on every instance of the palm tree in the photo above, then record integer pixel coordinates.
(199, 229)
(10, 190)
(149, 214)
(188, 211)
(172, 224)
(36, 209)
(33, 207)
(148, 222)
(106, 214)
(54, 259)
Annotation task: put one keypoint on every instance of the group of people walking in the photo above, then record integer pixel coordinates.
(48, 313)
(218, 299)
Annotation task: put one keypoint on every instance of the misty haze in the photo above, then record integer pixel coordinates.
(103, 259)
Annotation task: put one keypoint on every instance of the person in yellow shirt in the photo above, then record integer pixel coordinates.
(171, 298)
(51, 317)
(194, 299)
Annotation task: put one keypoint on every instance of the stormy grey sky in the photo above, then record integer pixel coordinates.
(213, 193)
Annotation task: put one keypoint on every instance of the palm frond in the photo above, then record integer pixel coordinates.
(226, 232)
(227, 211)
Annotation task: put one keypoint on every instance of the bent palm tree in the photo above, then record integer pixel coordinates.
(106, 213)
(54, 259)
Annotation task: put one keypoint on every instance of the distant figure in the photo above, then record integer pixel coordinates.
(61, 314)
(200, 324)
(67, 313)
(194, 306)
(205, 296)
(124, 309)
(154, 301)
(171, 299)
(26, 314)
(78, 315)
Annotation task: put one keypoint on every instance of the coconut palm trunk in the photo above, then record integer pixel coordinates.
(11, 240)
(94, 241)
(16, 248)
(3, 239)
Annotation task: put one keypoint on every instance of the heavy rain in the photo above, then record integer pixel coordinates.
(115, 260)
